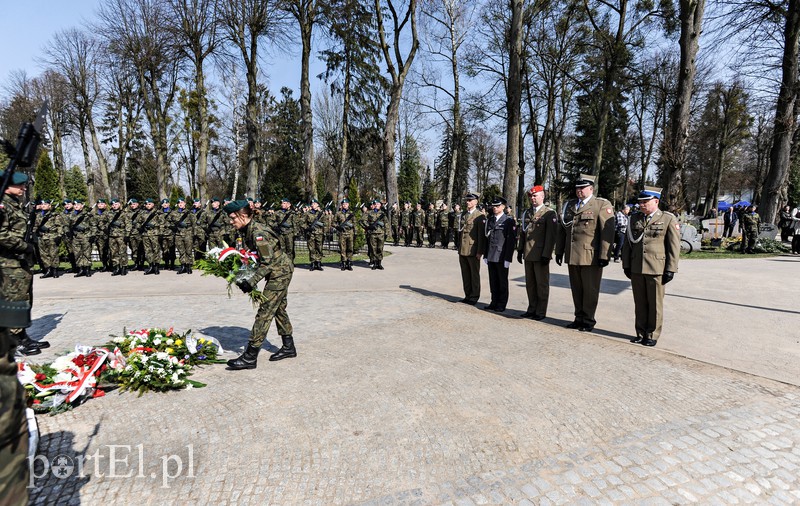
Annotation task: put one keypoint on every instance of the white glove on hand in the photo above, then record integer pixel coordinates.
(506, 264)
(486, 260)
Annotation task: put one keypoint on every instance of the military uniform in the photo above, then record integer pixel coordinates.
(283, 223)
(149, 227)
(650, 258)
(537, 239)
(315, 227)
(443, 222)
(418, 225)
(470, 249)
(81, 229)
(118, 228)
(182, 222)
(277, 268)
(48, 232)
(394, 220)
(199, 230)
(64, 219)
(499, 250)
(99, 223)
(430, 226)
(750, 223)
(584, 241)
(405, 224)
(374, 223)
(132, 217)
(167, 235)
(345, 225)
(215, 224)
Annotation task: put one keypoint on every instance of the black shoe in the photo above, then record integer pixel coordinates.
(156, 269)
(188, 269)
(246, 360)
(637, 339)
(124, 271)
(319, 265)
(499, 309)
(648, 342)
(574, 325)
(470, 302)
(47, 273)
(344, 265)
(89, 272)
(287, 350)
(26, 342)
(312, 266)
(181, 270)
(490, 307)
(586, 329)
(527, 314)
(150, 270)
(538, 318)
(81, 273)
(380, 265)
(28, 350)
(56, 274)
(117, 272)
(349, 265)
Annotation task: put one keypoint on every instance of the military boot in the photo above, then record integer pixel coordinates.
(47, 273)
(28, 350)
(88, 272)
(124, 271)
(188, 269)
(81, 272)
(157, 269)
(319, 265)
(117, 272)
(27, 342)
(349, 265)
(380, 264)
(247, 360)
(344, 265)
(286, 351)
(150, 270)
(182, 269)
(56, 274)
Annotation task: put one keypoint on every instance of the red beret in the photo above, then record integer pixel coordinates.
(537, 189)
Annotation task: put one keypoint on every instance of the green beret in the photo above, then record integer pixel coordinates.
(314, 201)
(286, 200)
(149, 201)
(17, 178)
(195, 200)
(101, 201)
(165, 201)
(77, 201)
(115, 201)
(214, 199)
(133, 201)
(180, 199)
(249, 199)
(236, 205)
(345, 200)
(67, 201)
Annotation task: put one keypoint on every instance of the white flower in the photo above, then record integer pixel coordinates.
(150, 368)
(64, 362)
(189, 386)
(156, 341)
(147, 378)
(63, 376)
(170, 342)
(161, 355)
(119, 340)
(25, 374)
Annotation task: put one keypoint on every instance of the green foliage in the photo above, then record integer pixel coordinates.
(408, 180)
(428, 189)
(441, 168)
(75, 184)
(762, 246)
(174, 194)
(490, 192)
(283, 148)
(45, 184)
(3, 160)
(794, 183)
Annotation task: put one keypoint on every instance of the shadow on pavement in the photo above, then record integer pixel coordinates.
(58, 476)
(42, 326)
(235, 338)
(734, 304)
(607, 286)
(430, 293)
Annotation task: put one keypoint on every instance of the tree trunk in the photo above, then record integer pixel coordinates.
(87, 161)
(251, 118)
(342, 172)
(392, 116)
(676, 138)
(514, 98)
(102, 162)
(305, 107)
(783, 130)
(203, 140)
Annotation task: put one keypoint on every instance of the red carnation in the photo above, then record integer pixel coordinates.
(37, 401)
(40, 377)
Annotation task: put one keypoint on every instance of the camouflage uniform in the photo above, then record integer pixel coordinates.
(64, 219)
(149, 226)
(283, 223)
(750, 223)
(183, 222)
(405, 224)
(315, 225)
(199, 232)
(443, 222)
(430, 225)
(118, 228)
(374, 223)
(80, 228)
(48, 232)
(167, 237)
(134, 237)
(418, 225)
(345, 224)
(215, 225)
(99, 233)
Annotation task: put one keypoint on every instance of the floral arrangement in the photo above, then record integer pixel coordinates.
(229, 263)
(141, 361)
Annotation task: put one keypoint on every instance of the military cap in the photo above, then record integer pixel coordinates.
(67, 201)
(149, 201)
(649, 193)
(214, 199)
(101, 201)
(536, 189)
(236, 205)
(133, 201)
(314, 201)
(115, 201)
(165, 201)
(195, 200)
(17, 178)
(585, 180)
(77, 201)
(46, 201)
(181, 199)
(285, 200)
(471, 196)
(249, 199)
(256, 201)
(498, 201)
(345, 200)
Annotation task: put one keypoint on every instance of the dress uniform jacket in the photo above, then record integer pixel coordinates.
(537, 239)
(587, 234)
(470, 246)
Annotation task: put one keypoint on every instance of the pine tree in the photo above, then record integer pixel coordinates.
(283, 149)
(45, 184)
(408, 181)
(75, 184)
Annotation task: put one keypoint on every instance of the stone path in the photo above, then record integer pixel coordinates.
(400, 396)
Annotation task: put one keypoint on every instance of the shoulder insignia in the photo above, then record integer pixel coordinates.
(609, 210)
(677, 226)
(259, 238)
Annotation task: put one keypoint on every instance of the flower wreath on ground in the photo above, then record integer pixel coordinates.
(230, 264)
(144, 360)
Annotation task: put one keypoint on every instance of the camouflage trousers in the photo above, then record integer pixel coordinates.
(346, 245)
(376, 243)
(117, 252)
(14, 470)
(273, 308)
(152, 249)
(102, 250)
(184, 246)
(48, 251)
(82, 249)
(199, 246)
(315, 246)
(137, 252)
(287, 244)
(168, 248)
(749, 239)
(16, 284)
(215, 239)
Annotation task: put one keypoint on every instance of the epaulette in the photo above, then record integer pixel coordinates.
(669, 214)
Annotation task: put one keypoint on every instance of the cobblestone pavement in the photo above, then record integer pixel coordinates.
(400, 396)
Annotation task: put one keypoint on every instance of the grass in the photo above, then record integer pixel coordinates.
(717, 253)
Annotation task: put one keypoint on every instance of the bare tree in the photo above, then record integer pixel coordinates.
(513, 103)
(398, 67)
(245, 23)
(54, 87)
(194, 26)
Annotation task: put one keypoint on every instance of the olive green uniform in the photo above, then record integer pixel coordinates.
(473, 238)
(750, 223)
(443, 220)
(418, 226)
(374, 223)
(132, 217)
(199, 238)
(119, 228)
(167, 238)
(405, 226)
(182, 221)
(537, 239)
(150, 223)
(100, 218)
(81, 231)
(345, 224)
(653, 248)
(430, 225)
(49, 232)
(315, 225)
(585, 239)
(64, 220)
(16, 282)
(216, 223)
(283, 224)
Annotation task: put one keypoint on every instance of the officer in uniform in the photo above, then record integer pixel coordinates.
(405, 223)
(443, 220)
(455, 225)
(215, 224)
(430, 225)
(345, 225)
(274, 266)
(133, 213)
(470, 249)
(81, 232)
(750, 223)
(199, 230)
(283, 223)
(118, 229)
(183, 223)
(16, 281)
(150, 223)
(48, 233)
(584, 241)
(500, 242)
(394, 218)
(418, 225)
(167, 235)
(374, 224)
(64, 220)
(315, 228)
(650, 260)
(537, 239)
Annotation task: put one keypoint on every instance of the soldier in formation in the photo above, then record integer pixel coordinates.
(315, 228)
(374, 224)
(117, 229)
(405, 224)
(537, 239)
(471, 248)
(345, 225)
(46, 234)
(181, 224)
(430, 225)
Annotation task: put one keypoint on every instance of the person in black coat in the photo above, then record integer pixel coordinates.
(500, 243)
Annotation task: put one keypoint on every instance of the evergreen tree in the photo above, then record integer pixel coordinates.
(45, 184)
(75, 184)
(408, 181)
(441, 168)
(283, 150)
(428, 189)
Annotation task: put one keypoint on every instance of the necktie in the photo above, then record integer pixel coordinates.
(580, 204)
(647, 220)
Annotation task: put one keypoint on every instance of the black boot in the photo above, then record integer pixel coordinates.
(150, 270)
(182, 269)
(124, 271)
(89, 272)
(81, 272)
(319, 265)
(47, 273)
(117, 272)
(247, 360)
(380, 265)
(373, 265)
(56, 273)
(188, 269)
(156, 269)
(286, 351)
(344, 265)
(349, 265)
(27, 342)
(28, 350)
